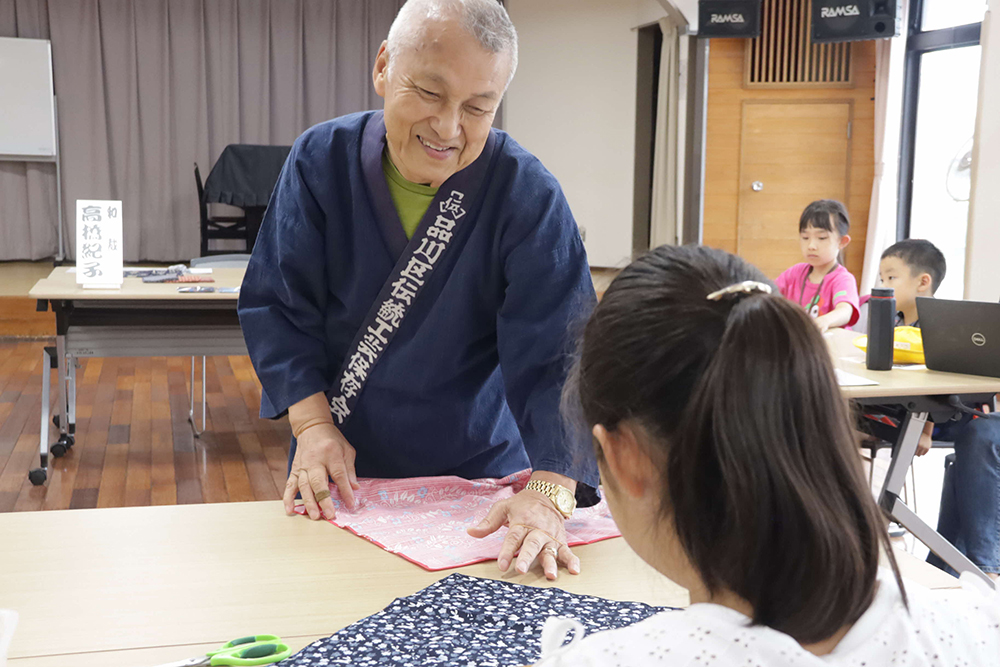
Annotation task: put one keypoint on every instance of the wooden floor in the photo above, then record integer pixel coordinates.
(134, 445)
(20, 317)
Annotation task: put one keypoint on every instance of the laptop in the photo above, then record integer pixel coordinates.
(960, 336)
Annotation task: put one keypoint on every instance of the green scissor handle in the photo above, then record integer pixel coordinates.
(242, 641)
(254, 650)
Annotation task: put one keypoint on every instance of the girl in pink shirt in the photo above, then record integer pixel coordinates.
(821, 285)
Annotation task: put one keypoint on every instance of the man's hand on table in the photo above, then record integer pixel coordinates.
(322, 453)
(536, 530)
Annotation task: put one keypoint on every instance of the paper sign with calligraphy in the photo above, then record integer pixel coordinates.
(99, 243)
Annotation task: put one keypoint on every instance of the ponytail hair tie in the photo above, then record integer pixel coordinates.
(745, 287)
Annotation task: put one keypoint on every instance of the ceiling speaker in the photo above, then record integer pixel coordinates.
(729, 18)
(853, 20)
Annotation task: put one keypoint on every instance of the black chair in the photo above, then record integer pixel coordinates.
(220, 227)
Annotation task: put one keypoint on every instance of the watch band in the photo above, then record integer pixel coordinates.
(548, 488)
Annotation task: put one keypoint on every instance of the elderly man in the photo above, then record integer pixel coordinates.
(412, 295)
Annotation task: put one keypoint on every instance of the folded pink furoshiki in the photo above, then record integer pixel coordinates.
(424, 519)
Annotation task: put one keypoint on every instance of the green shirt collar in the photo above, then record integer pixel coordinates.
(392, 173)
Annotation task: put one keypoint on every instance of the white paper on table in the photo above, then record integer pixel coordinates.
(850, 380)
(8, 623)
(909, 367)
(99, 244)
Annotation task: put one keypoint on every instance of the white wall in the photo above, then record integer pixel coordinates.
(689, 8)
(572, 104)
(982, 270)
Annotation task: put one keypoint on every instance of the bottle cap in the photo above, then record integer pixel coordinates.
(883, 292)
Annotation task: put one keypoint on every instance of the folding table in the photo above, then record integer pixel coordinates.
(138, 320)
(923, 393)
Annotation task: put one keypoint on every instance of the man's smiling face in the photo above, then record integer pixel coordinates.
(441, 91)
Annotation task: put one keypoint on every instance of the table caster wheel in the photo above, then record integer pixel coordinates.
(61, 446)
(37, 476)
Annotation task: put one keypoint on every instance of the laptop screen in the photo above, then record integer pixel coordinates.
(961, 336)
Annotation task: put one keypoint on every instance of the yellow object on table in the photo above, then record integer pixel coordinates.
(907, 345)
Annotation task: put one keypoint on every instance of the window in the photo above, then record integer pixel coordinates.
(939, 115)
(938, 14)
(946, 118)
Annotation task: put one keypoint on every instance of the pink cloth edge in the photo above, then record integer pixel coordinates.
(448, 567)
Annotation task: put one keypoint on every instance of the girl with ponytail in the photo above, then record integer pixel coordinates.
(728, 460)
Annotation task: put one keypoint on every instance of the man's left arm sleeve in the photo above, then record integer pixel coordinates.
(549, 296)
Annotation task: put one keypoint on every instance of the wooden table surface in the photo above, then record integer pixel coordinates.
(900, 381)
(147, 585)
(61, 284)
(131, 578)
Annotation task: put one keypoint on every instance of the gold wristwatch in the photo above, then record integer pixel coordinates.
(561, 497)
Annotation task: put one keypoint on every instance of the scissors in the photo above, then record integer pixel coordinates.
(252, 650)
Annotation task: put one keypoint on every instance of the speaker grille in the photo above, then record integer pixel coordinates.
(784, 57)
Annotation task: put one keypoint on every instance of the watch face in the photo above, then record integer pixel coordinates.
(565, 503)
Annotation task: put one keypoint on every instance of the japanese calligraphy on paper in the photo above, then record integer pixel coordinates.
(99, 243)
(406, 283)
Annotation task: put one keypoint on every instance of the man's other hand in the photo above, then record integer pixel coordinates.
(535, 531)
(322, 453)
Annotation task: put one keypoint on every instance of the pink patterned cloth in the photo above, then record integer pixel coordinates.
(424, 519)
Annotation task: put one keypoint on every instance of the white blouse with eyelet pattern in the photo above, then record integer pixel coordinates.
(955, 628)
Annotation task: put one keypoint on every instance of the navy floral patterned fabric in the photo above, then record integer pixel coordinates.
(464, 621)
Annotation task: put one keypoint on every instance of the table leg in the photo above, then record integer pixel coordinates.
(903, 452)
(61, 366)
(889, 500)
(194, 425)
(43, 443)
(71, 393)
(37, 476)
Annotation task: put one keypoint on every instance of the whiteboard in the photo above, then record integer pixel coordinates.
(27, 104)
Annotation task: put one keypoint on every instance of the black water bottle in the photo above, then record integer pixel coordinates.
(881, 325)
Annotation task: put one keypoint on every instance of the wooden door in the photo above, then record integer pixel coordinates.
(795, 153)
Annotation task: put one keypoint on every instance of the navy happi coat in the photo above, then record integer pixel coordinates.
(470, 385)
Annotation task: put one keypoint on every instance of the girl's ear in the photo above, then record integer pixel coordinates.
(626, 458)
(844, 240)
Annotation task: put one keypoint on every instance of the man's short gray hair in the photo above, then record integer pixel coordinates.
(486, 20)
